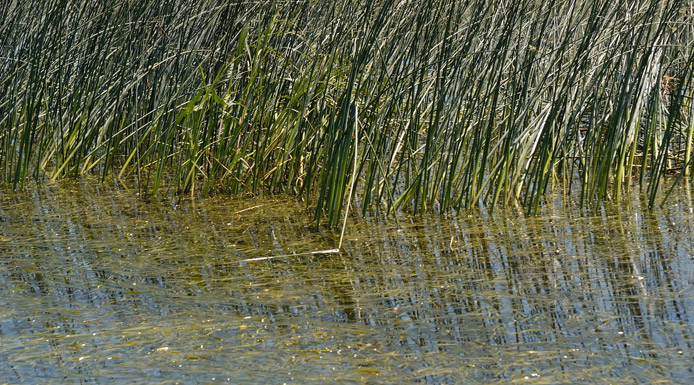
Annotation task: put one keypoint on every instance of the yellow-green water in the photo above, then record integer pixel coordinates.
(98, 286)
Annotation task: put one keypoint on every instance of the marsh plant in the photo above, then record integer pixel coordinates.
(436, 104)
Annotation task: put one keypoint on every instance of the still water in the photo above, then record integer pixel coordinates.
(98, 286)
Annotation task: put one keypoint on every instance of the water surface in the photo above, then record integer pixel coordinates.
(99, 286)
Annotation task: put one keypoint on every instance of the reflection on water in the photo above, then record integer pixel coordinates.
(97, 286)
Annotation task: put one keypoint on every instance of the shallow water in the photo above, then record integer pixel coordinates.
(98, 286)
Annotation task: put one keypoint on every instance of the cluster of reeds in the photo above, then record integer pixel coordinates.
(423, 104)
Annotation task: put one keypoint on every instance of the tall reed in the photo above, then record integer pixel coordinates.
(454, 103)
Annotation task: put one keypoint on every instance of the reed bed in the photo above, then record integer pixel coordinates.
(409, 104)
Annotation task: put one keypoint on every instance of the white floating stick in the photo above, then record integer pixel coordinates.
(331, 251)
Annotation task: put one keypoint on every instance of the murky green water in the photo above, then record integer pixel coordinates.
(97, 286)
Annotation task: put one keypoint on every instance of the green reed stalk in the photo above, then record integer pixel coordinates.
(460, 103)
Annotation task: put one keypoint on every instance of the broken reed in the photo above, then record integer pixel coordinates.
(450, 104)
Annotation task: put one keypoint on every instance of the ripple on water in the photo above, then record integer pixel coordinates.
(99, 286)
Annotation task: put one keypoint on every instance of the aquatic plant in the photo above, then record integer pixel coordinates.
(445, 104)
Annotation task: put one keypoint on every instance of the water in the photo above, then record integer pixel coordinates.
(98, 286)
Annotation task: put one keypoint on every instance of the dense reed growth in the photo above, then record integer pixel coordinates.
(431, 104)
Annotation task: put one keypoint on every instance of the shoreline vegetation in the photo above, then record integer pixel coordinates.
(414, 105)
